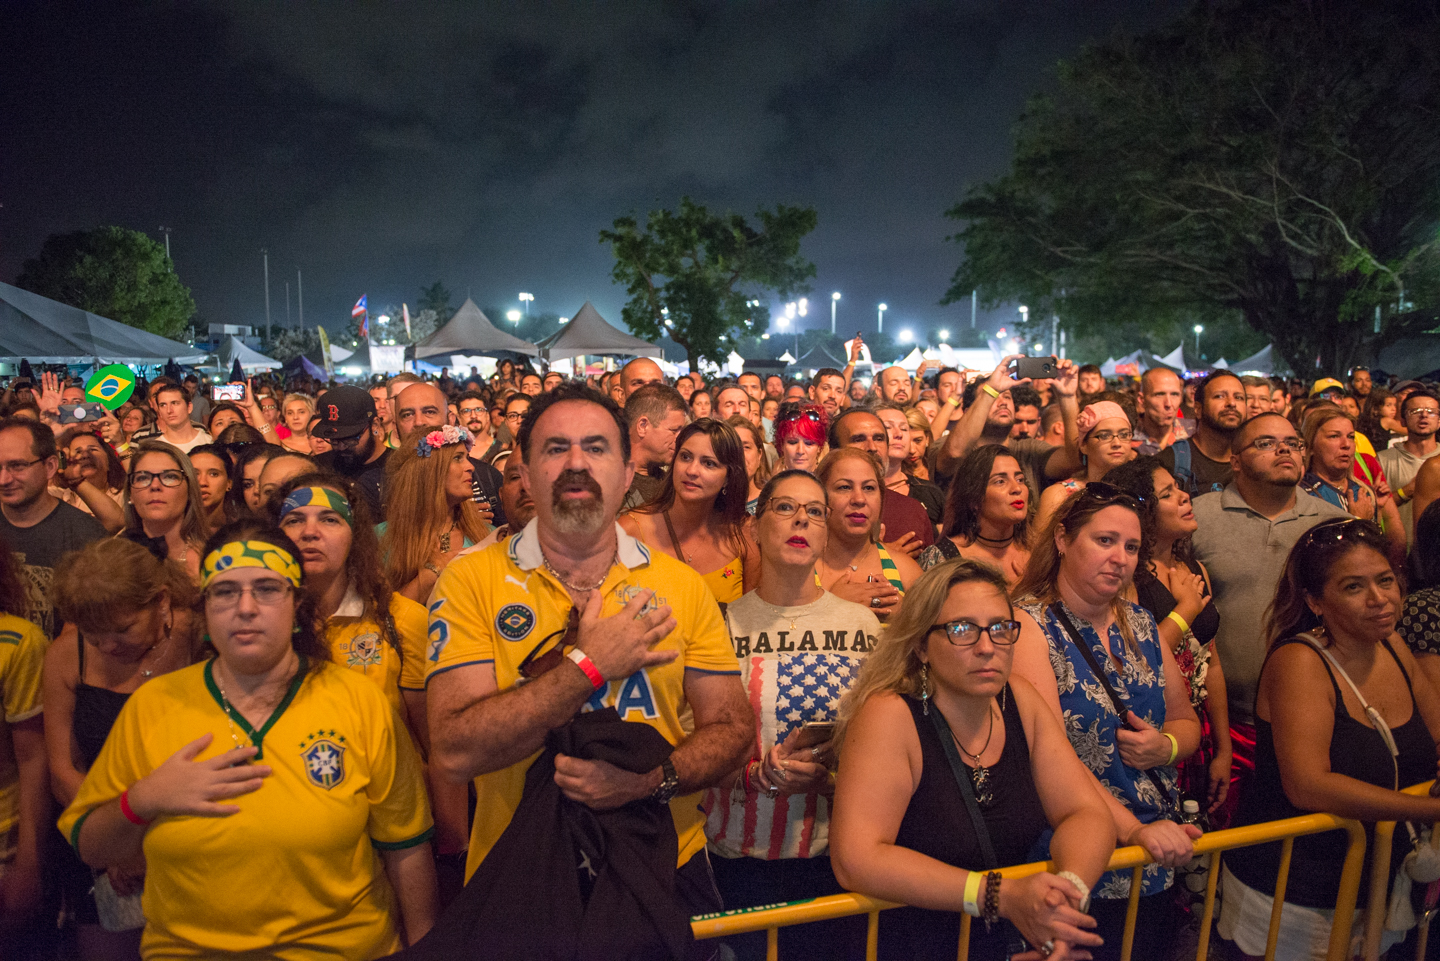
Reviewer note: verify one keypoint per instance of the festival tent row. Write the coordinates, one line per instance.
(45, 331)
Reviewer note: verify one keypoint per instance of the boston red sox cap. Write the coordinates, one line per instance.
(343, 412)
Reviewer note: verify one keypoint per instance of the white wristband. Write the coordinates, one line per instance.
(1080, 886)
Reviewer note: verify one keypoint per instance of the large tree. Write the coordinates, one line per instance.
(435, 298)
(116, 273)
(1278, 160)
(696, 277)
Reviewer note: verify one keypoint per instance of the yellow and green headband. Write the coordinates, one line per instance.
(237, 554)
(318, 497)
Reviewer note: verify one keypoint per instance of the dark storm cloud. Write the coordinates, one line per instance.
(382, 147)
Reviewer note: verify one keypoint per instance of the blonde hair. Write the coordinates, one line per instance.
(762, 470)
(192, 527)
(893, 666)
(105, 578)
(916, 419)
(417, 510)
(1315, 418)
(305, 399)
(833, 459)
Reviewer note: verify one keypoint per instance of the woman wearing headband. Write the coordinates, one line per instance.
(1105, 435)
(1337, 680)
(262, 784)
(435, 516)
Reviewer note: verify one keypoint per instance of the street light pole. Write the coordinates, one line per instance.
(834, 299)
(300, 294)
(1198, 330)
(266, 254)
(526, 299)
(166, 232)
(880, 325)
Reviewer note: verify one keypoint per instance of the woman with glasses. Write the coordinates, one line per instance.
(130, 617)
(987, 514)
(757, 467)
(1098, 661)
(1175, 589)
(951, 768)
(431, 509)
(855, 565)
(92, 478)
(1105, 435)
(800, 647)
(163, 509)
(297, 412)
(1343, 719)
(1330, 460)
(266, 774)
(698, 517)
(800, 432)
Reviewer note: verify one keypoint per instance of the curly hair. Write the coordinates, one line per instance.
(105, 578)
(967, 495)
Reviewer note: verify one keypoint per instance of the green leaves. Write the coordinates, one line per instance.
(696, 276)
(116, 273)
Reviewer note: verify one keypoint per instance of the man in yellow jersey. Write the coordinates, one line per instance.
(650, 642)
(24, 774)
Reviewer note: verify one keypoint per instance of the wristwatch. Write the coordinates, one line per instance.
(669, 784)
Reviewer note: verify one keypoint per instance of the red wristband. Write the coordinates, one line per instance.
(129, 812)
(597, 680)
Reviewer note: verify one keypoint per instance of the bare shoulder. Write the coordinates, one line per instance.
(909, 570)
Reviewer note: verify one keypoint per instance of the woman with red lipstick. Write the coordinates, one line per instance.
(1105, 435)
(854, 564)
(163, 506)
(699, 515)
(800, 431)
(1097, 659)
(987, 515)
(1175, 589)
(799, 648)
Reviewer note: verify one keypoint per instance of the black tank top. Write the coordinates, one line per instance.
(96, 709)
(936, 824)
(1356, 750)
(1156, 598)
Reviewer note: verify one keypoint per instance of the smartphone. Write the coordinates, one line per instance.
(1036, 368)
(81, 413)
(231, 392)
(815, 732)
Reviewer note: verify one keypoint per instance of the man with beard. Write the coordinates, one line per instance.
(593, 619)
(827, 387)
(346, 418)
(1420, 413)
(1025, 423)
(1245, 534)
(475, 417)
(1201, 463)
(1161, 394)
(517, 506)
(774, 387)
(895, 386)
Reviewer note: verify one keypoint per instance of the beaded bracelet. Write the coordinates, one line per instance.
(992, 899)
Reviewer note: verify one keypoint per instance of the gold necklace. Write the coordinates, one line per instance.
(230, 711)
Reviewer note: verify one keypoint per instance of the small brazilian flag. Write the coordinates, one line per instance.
(111, 386)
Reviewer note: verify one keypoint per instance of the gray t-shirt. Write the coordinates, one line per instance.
(1245, 551)
(1400, 467)
(39, 548)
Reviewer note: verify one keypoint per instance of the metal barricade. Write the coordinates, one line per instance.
(770, 920)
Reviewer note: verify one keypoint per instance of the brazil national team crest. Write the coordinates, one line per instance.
(515, 622)
(111, 386)
(324, 755)
(364, 650)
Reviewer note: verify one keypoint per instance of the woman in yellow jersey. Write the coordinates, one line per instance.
(369, 628)
(855, 566)
(699, 515)
(280, 809)
(129, 617)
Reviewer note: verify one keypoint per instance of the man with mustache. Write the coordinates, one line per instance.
(1246, 532)
(1202, 463)
(588, 618)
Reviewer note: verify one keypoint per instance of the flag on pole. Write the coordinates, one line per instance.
(325, 352)
(359, 308)
(405, 312)
(361, 311)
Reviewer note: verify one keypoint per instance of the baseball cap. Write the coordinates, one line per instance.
(1327, 383)
(343, 412)
(1408, 385)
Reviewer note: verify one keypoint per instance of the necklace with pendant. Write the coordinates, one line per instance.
(148, 672)
(979, 773)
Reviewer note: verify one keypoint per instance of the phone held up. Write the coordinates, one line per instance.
(231, 392)
(1036, 368)
(81, 413)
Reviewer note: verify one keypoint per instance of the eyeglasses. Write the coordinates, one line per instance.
(515, 415)
(1422, 411)
(142, 479)
(1106, 436)
(269, 407)
(267, 593)
(963, 633)
(536, 664)
(18, 466)
(1266, 444)
(469, 411)
(785, 509)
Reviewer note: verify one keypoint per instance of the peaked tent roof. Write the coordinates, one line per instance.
(818, 357)
(470, 332)
(234, 349)
(589, 333)
(1180, 360)
(45, 331)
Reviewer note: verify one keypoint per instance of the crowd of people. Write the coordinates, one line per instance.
(552, 665)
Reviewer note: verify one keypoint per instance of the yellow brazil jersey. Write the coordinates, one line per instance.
(357, 643)
(297, 872)
(496, 605)
(22, 656)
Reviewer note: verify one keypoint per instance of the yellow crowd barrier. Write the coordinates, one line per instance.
(770, 920)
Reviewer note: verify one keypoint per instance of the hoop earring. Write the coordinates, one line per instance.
(925, 689)
(295, 630)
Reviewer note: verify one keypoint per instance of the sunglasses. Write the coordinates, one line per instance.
(789, 415)
(1344, 529)
(536, 663)
(1107, 494)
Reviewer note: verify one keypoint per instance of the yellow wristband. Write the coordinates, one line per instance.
(971, 904)
(953, 401)
(1174, 749)
(1180, 621)
(990, 390)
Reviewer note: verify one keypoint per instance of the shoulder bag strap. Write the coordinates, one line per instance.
(1120, 707)
(967, 790)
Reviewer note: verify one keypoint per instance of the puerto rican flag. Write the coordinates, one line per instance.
(359, 309)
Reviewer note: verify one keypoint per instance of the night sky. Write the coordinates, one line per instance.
(381, 147)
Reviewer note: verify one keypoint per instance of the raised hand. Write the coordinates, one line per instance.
(1000, 379)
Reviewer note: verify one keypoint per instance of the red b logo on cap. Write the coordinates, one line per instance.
(334, 412)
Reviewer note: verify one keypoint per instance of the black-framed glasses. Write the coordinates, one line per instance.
(541, 661)
(1267, 444)
(966, 633)
(784, 508)
(142, 479)
(1106, 436)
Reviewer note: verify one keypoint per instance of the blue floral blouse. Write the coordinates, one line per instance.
(1091, 721)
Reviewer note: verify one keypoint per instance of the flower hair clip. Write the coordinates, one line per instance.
(443, 437)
